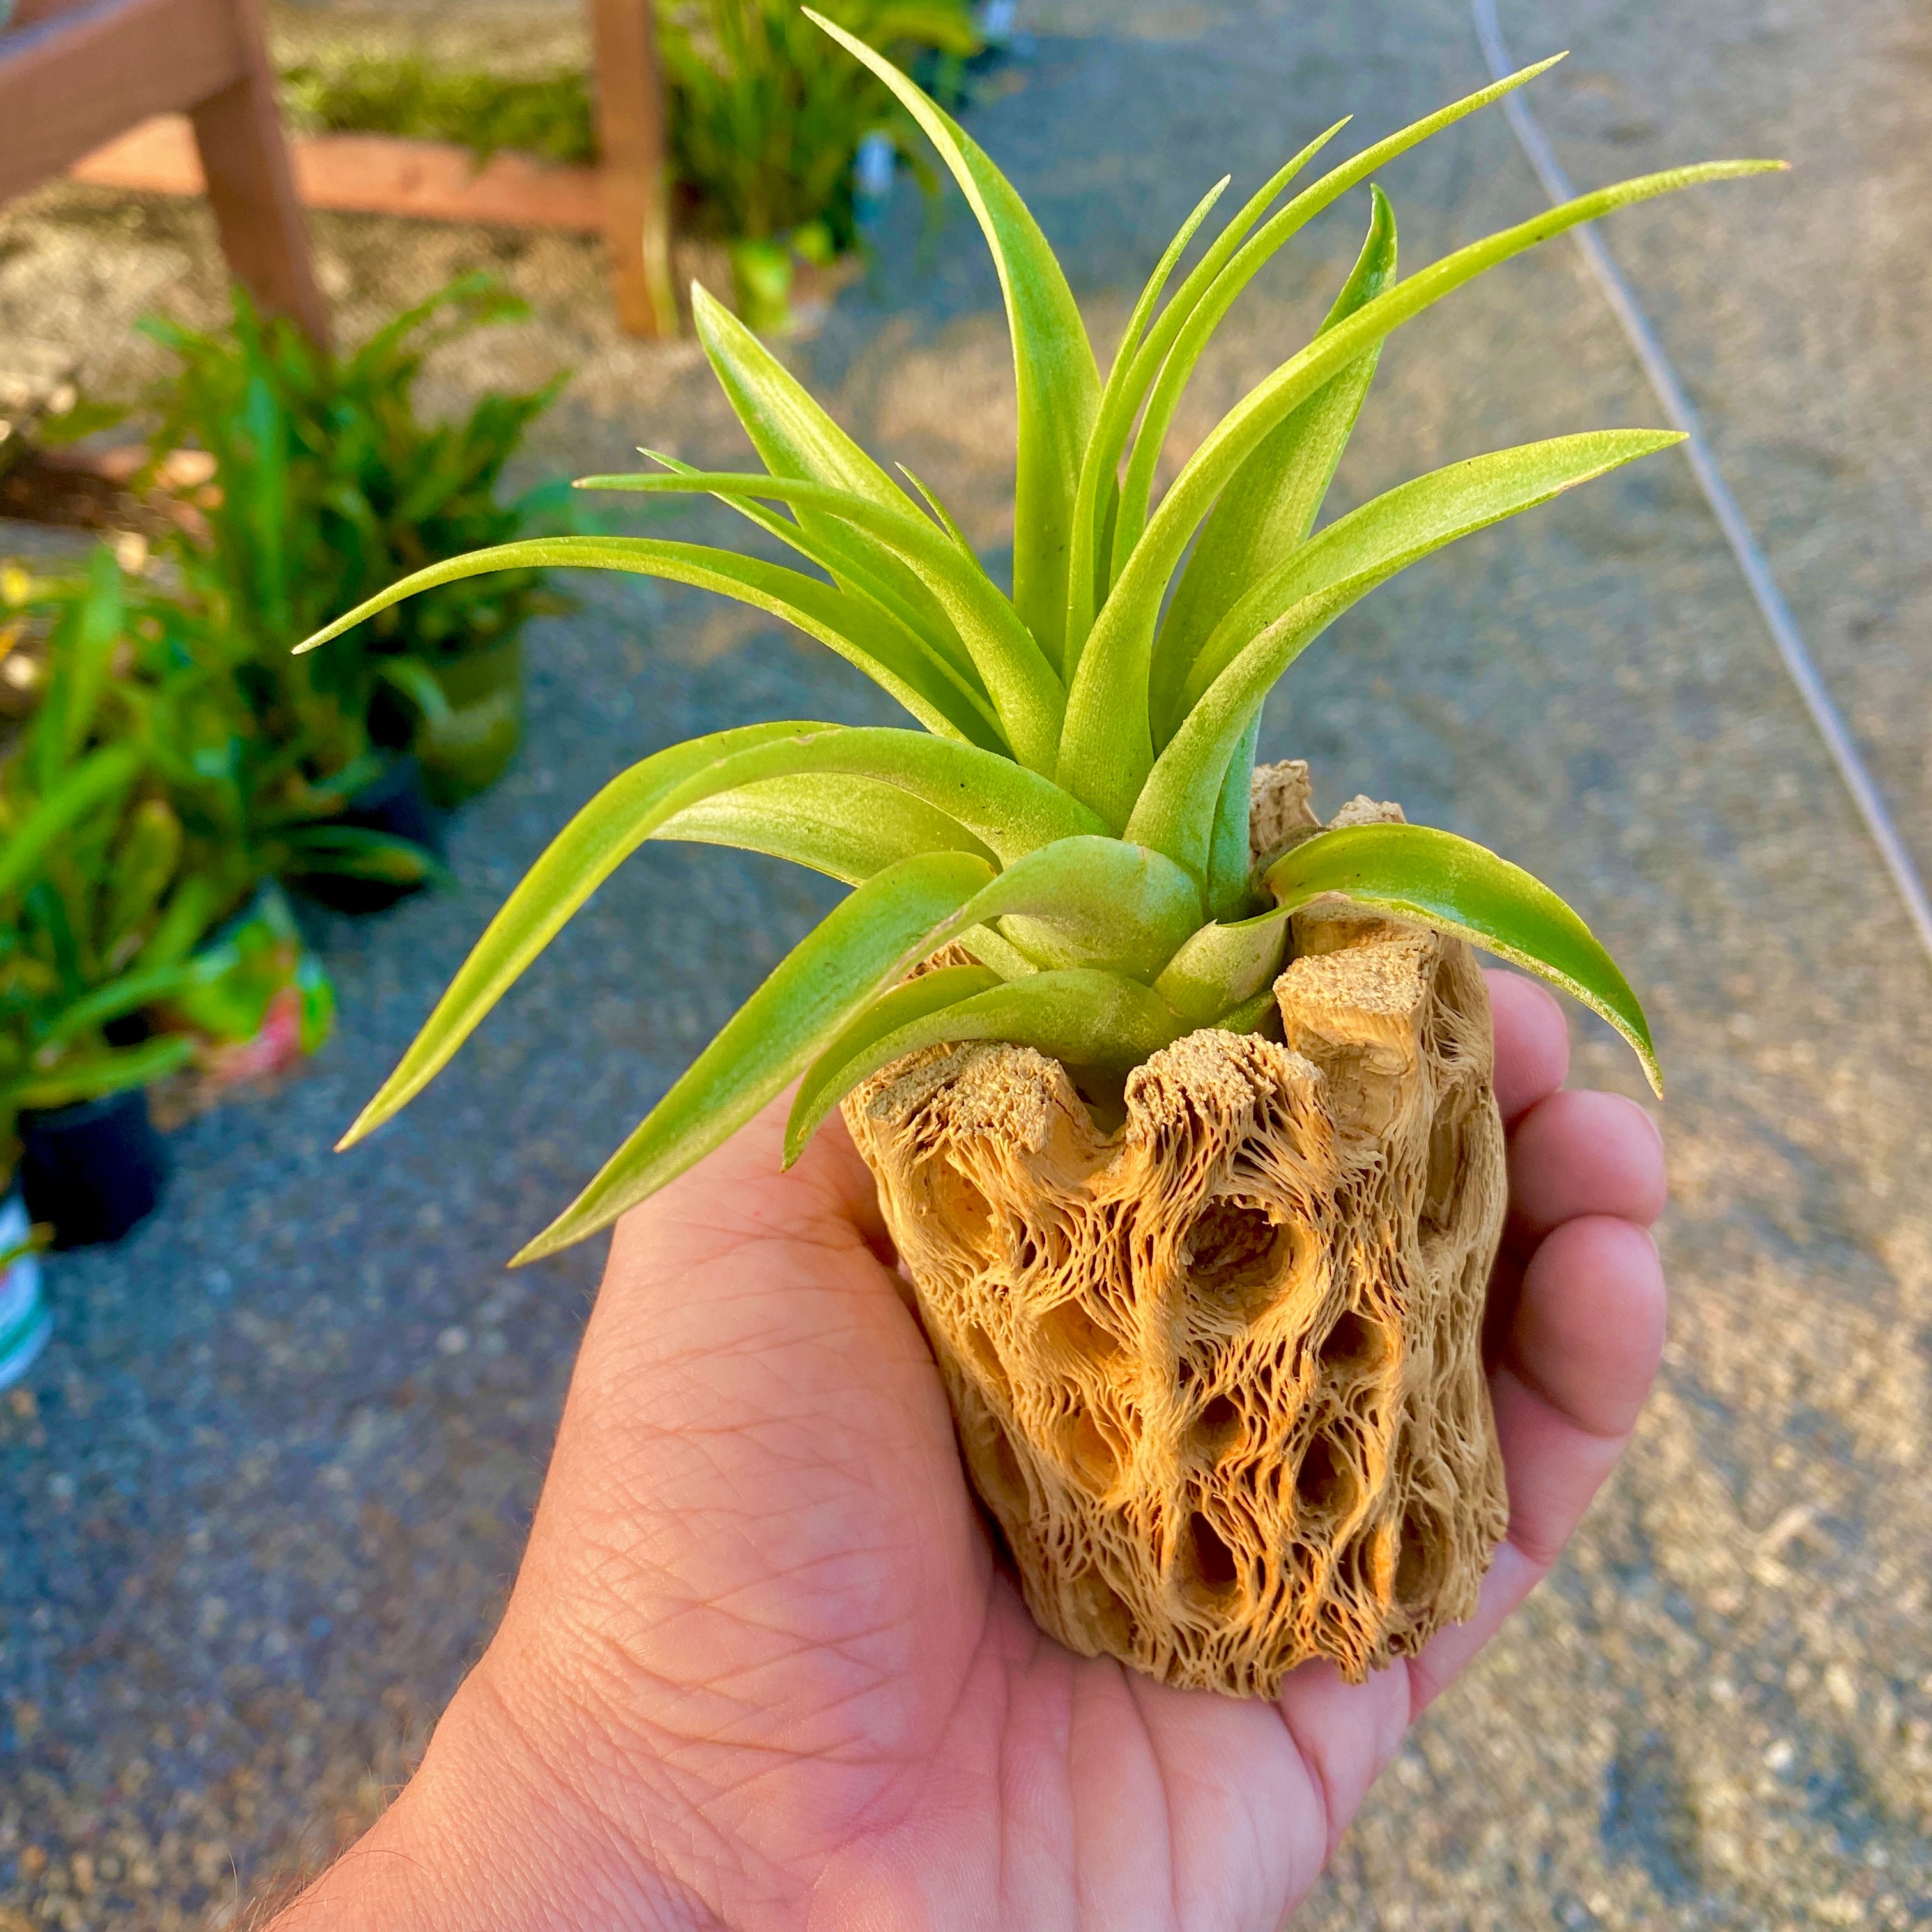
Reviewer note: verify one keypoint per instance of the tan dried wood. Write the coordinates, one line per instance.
(1217, 1373)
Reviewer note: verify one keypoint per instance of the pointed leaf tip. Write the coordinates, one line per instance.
(1434, 878)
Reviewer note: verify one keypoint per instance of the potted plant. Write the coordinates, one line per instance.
(321, 484)
(1179, 1102)
(97, 918)
(112, 874)
(767, 122)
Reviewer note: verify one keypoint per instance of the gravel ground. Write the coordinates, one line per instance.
(258, 1504)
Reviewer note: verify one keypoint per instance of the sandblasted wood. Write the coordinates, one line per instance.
(1217, 1374)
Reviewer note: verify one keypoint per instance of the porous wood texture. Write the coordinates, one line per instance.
(1217, 1373)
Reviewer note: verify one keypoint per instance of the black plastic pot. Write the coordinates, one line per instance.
(93, 1169)
(397, 803)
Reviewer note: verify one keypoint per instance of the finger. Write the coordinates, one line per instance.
(1584, 1154)
(1532, 1042)
(1589, 1325)
(1577, 1364)
(1346, 1733)
(744, 1187)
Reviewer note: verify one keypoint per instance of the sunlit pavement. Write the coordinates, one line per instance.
(260, 1516)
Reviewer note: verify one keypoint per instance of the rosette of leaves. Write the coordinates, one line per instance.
(1072, 816)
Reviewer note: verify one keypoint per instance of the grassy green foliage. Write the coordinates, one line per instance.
(1075, 814)
(128, 834)
(329, 482)
(549, 116)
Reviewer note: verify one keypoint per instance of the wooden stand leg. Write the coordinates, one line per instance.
(252, 189)
(631, 130)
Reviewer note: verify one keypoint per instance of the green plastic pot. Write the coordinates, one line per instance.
(465, 746)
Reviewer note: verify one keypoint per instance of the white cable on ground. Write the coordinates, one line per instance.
(1778, 617)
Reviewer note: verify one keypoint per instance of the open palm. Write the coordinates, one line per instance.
(763, 1666)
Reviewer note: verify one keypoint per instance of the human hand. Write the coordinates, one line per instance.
(760, 1668)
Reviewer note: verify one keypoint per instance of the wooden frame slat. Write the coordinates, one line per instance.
(371, 174)
(73, 78)
(630, 133)
(75, 75)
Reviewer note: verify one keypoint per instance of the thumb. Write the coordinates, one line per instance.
(743, 1192)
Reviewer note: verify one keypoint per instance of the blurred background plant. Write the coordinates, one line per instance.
(776, 141)
(136, 940)
(767, 117)
(355, 92)
(101, 903)
(172, 761)
(319, 482)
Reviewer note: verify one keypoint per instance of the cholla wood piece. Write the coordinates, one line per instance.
(1217, 1374)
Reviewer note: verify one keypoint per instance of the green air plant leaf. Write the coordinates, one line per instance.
(1229, 885)
(1135, 368)
(941, 515)
(1222, 966)
(1407, 523)
(1074, 815)
(795, 437)
(1106, 746)
(928, 687)
(1011, 810)
(1026, 693)
(1271, 502)
(1436, 879)
(848, 828)
(1098, 489)
(1053, 361)
(880, 579)
(1097, 902)
(1287, 610)
(844, 963)
(1202, 321)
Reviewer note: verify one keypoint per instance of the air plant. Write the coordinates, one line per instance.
(1073, 816)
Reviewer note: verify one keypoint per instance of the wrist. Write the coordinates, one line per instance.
(483, 1838)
